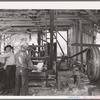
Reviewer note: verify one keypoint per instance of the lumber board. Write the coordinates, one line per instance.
(84, 44)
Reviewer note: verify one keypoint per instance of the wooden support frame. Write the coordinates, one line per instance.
(67, 44)
(44, 40)
(39, 40)
(0, 41)
(77, 35)
(81, 42)
(51, 37)
(89, 20)
(86, 45)
(93, 16)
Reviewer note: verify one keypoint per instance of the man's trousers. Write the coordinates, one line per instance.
(10, 76)
(21, 87)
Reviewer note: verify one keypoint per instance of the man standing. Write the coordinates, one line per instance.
(9, 67)
(23, 62)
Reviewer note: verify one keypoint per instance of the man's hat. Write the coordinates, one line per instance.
(24, 44)
(8, 46)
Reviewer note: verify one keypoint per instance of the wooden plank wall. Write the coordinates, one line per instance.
(74, 37)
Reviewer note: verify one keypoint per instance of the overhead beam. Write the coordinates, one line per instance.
(19, 25)
(85, 45)
(89, 20)
(15, 19)
(92, 15)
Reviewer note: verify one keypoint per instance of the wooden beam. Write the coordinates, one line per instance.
(19, 25)
(86, 45)
(36, 45)
(39, 58)
(77, 37)
(51, 37)
(89, 20)
(93, 29)
(87, 32)
(15, 19)
(39, 40)
(81, 42)
(92, 15)
(0, 41)
(30, 24)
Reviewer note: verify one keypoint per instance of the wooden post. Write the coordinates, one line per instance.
(81, 42)
(42, 41)
(77, 36)
(30, 36)
(68, 51)
(4, 40)
(0, 41)
(46, 25)
(39, 34)
(51, 37)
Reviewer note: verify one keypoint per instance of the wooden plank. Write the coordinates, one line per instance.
(81, 42)
(15, 19)
(92, 15)
(39, 58)
(34, 74)
(44, 41)
(77, 37)
(94, 29)
(87, 32)
(0, 41)
(19, 25)
(51, 37)
(67, 44)
(39, 41)
(33, 25)
(89, 20)
(86, 45)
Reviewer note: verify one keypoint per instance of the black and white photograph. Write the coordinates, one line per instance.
(49, 52)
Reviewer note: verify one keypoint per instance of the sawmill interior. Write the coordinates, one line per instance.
(63, 45)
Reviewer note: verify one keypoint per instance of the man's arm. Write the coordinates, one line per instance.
(30, 64)
(6, 55)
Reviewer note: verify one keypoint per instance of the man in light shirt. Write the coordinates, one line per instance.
(23, 62)
(9, 67)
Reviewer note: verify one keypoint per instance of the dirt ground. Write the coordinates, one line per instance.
(67, 87)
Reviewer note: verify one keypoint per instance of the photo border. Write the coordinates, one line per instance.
(69, 97)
